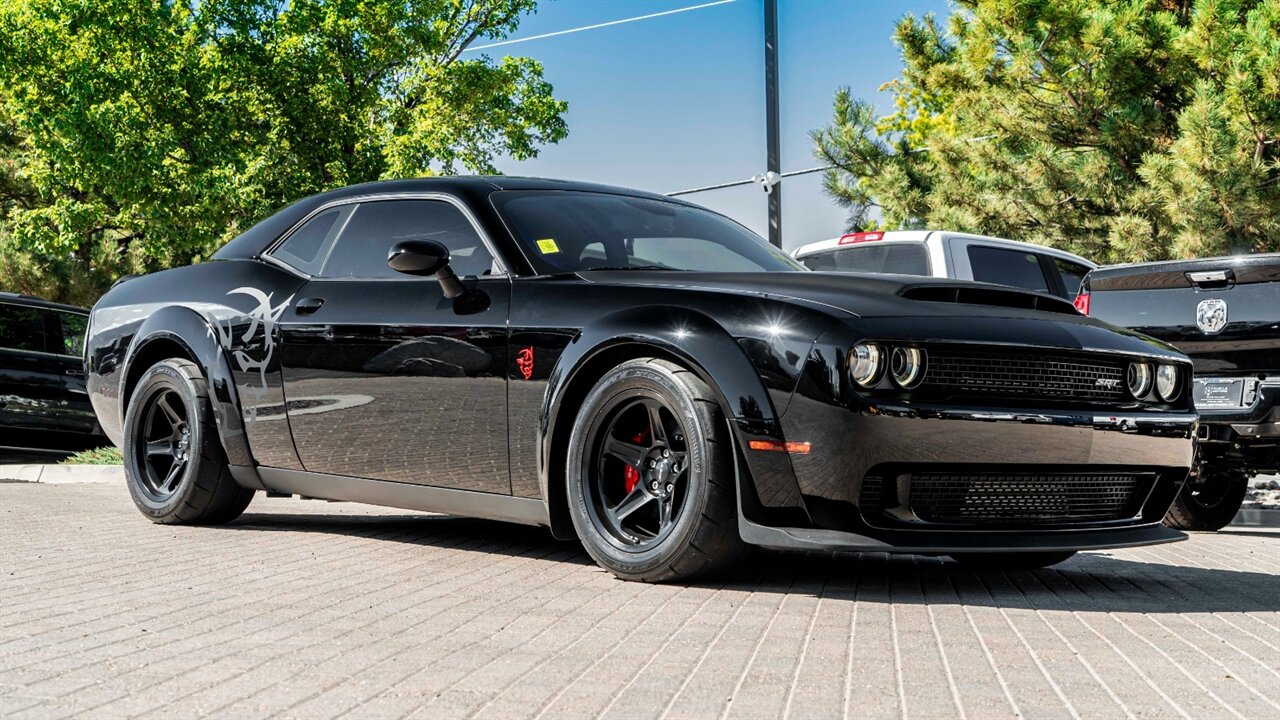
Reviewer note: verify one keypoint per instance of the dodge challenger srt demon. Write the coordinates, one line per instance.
(634, 371)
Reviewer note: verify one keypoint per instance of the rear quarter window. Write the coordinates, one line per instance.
(306, 248)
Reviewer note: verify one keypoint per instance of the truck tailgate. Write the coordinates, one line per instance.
(1184, 303)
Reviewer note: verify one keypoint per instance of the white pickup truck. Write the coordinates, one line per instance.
(938, 253)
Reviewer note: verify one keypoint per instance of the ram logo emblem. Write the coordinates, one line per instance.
(1211, 315)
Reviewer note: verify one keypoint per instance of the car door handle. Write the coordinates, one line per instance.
(73, 372)
(306, 306)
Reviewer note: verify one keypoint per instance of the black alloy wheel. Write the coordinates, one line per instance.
(173, 458)
(164, 444)
(650, 474)
(637, 484)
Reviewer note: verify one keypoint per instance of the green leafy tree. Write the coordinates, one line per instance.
(139, 134)
(1127, 130)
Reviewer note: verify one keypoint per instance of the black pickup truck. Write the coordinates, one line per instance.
(1225, 314)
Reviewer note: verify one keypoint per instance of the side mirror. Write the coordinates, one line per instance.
(426, 257)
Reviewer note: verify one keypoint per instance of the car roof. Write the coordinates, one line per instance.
(33, 301)
(250, 242)
(448, 183)
(920, 236)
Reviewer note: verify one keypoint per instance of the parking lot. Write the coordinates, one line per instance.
(312, 609)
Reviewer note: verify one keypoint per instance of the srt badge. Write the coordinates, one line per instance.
(1211, 315)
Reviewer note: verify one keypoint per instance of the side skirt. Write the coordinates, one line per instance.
(526, 511)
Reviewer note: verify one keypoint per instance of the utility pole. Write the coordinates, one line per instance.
(773, 160)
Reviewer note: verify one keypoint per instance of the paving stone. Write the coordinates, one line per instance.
(308, 609)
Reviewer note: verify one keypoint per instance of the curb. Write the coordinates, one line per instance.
(63, 474)
(1257, 517)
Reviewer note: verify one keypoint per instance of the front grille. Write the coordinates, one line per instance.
(1028, 498)
(1019, 375)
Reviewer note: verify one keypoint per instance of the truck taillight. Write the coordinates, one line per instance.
(850, 238)
(1082, 303)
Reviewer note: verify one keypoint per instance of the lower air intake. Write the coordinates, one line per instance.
(1028, 499)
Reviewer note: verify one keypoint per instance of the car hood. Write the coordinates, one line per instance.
(863, 295)
(941, 309)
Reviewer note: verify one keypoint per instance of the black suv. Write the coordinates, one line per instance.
(43, 403)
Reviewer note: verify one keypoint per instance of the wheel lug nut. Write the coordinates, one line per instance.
(670, 488)
(666, 453)
(653, 464)
(654, 485)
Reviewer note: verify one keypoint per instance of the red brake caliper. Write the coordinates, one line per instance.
(631, 475)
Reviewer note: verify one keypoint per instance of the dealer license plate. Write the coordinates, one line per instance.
(1216, 393)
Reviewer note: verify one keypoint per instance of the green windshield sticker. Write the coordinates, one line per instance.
(548, 246)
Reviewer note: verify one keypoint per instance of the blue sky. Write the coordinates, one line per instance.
(678, 101)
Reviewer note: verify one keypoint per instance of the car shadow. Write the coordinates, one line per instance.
(443, 531)
(1089, 582)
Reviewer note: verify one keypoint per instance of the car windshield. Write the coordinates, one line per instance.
(571, 231)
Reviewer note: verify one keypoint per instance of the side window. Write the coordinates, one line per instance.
(21, 328)
(1072, 275)
(362, 248)
(73, 331)
(1007, 267)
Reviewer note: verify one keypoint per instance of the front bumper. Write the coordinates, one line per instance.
(890, 443)
(945, 543)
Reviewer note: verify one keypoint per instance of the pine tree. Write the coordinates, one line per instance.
(1125, 131)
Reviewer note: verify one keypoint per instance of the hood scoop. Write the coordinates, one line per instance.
(991, 296)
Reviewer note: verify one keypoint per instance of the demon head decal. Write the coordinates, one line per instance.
(524, 362)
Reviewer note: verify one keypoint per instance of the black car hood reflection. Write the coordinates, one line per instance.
(862, 295)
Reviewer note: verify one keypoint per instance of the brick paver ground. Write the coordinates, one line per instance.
(313, 610)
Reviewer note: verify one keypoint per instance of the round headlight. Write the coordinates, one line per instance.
(1139, 379)
(865, 364)
(1167, 382)
(906, 367)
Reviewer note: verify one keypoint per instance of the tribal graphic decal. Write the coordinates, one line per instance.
(264, 315)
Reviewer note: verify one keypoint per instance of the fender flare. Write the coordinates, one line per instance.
(192, 331)
(699, 342)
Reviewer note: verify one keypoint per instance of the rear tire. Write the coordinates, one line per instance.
(1012, 561)
(1209, 505)
(684, 526)
(174, 464)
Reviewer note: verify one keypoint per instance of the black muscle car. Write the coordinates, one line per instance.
(635, 371)
(1224, 313)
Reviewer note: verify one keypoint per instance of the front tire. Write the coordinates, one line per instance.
(651, 476)
(1210, 504)
(175, 467)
